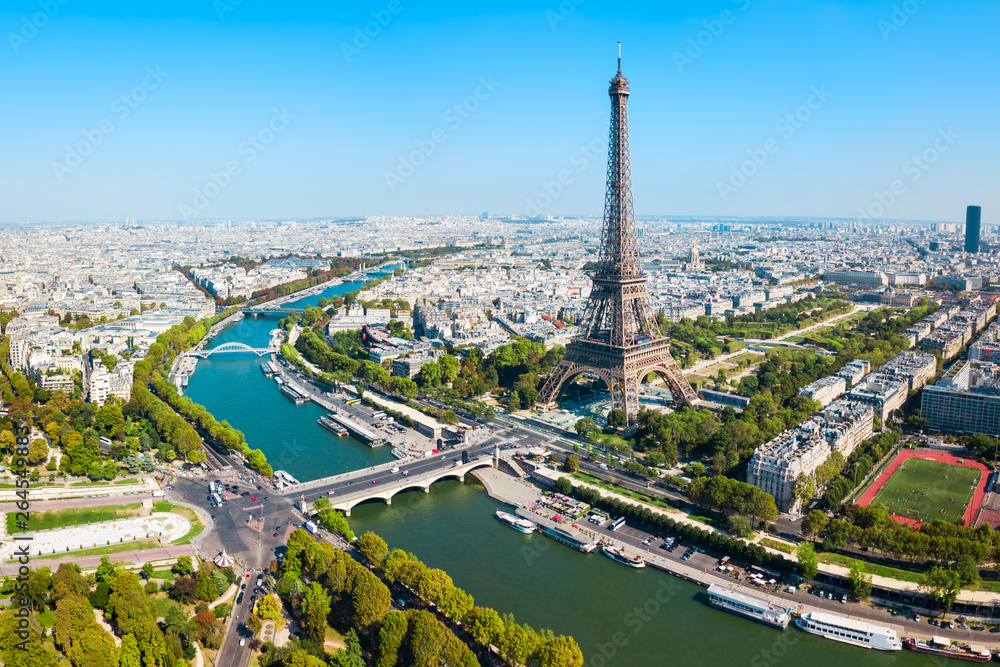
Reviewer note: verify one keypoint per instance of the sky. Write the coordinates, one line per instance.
(251, 109)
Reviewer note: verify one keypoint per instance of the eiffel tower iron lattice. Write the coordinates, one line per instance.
(620, 341)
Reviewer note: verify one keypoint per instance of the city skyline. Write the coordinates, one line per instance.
(231, 110)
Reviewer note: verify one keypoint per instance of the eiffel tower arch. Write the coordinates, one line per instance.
(620, 341)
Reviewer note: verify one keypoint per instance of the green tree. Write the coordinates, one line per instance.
(183, 566)
(94, 648)
(968, 573)
(814, 523)
(572, 463)
(485, 625)
(373, 548)
(391, 634)
(861, 582)
(561, 651)
(617, 419)
(129, 656)
(370, 599)
(804, 489)
(449, 417)
(808, 562)
(269, 607)
(316, 606)
(942, 584)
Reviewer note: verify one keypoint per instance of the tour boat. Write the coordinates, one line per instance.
(746, 604)
(620, 556)
(943, 647)
(330, 425)
(850, 631)
(517, 523)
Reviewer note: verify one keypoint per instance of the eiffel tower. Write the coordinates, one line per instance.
(620, 341)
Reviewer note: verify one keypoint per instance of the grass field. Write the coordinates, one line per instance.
(71, 517)
(928, 490)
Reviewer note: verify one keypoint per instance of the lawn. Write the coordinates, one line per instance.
(196, 525)
(928, 490)
(102, 551)
(70, 517)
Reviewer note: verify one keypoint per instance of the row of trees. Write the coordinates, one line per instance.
(872, 529)
(859, 464)
(732, 497)
(318, 576)
(663, 525)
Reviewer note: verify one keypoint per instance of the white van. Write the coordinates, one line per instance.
(394, 470)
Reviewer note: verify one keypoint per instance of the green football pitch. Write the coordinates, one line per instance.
(928, 490)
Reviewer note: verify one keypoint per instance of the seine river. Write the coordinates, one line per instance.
(618, 615)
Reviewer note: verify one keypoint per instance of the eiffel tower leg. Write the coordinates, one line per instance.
(548, 397)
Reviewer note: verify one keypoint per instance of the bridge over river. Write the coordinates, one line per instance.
(231, 348)
(381, 483)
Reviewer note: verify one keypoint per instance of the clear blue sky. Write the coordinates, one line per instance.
(229, 65)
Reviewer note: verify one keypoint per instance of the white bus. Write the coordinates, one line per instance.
(216, 500)
(378, 415)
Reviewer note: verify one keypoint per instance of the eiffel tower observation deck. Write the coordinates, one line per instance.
(620, 341)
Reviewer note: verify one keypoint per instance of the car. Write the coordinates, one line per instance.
(253, 598)
(243, 586)
(995, 630)
(843, 599)
(646, 542)
(243, 641)
(277, 528)
(254, 498)
(266, 497)
(213, 516)
(405, 473)
(400, 602)
(829, 596)
(331, 492)
(442, 458)
(239, 600)
(916, 617)
(374, 481)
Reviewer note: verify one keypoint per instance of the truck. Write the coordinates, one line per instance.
(312, 527)
(159, 494)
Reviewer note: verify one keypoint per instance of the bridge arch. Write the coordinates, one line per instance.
(679, 395)
(562, 376)
(386, 494)
(231, 348)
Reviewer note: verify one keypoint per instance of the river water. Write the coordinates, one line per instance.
(619, 616)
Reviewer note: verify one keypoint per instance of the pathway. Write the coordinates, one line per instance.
(136, 558)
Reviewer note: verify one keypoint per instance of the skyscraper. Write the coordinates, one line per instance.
(972, 215)
(620, 341)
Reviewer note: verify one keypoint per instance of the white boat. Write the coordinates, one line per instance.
(746, 604)
(516, 522)
(622, 557)
(850, 631)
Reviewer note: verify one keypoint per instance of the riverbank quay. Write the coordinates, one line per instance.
(982, 606)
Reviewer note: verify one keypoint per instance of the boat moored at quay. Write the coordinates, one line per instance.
(942, 646)
(330, 425)
(850, 631)
(751, 606)
(619, 555)
(516, 522)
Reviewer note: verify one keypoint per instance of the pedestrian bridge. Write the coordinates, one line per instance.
(231, 348)
(385, 492)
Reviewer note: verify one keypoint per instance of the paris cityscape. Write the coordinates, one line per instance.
(524, 334)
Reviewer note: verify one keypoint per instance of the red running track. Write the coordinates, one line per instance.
(942, 457)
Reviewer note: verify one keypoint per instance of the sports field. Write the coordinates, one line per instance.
(925, 490)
